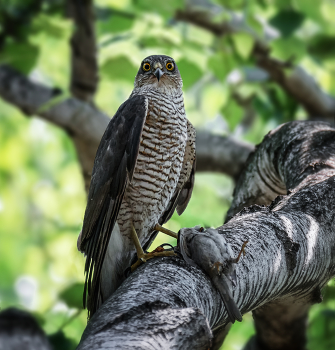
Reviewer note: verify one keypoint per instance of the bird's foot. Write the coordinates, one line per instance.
(159, 251)
(217, 266)
(166, 231)
(242, 251)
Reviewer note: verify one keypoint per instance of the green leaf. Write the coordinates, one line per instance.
(283, 4)
(166, 9)
(119, 68)
(287, 21)
(232, 113)
(221, 64)
(73, 295)
(22, 56)
(322, 46)
(243, 43)
(310, 8)
(288, 48)
(52, 26)
(115, 23)
(190, 72)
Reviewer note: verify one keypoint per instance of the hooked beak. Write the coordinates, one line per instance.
(158, 74)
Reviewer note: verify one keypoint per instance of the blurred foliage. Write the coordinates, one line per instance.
(42, 199)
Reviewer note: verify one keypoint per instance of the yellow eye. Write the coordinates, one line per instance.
(146, 66)
(169, 66)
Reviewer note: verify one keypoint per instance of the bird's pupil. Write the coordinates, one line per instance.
(169, 65)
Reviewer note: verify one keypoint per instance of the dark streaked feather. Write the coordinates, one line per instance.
(186, 192)
(113, 169)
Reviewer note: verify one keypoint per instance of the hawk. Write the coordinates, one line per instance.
(143, 170)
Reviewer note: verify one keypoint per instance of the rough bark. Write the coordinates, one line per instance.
(84, 66)
(277, 167)
(260, 183)
(289, 257)
(292, 78)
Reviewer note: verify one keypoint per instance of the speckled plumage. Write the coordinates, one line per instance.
(148, 181)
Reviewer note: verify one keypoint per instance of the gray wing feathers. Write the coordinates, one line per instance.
(223, 288)
(113, 170)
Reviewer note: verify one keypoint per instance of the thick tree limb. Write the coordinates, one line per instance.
(260, 184)
(221, 154)
(293, 79)
(290, 256)
(84, 65)
(277, 167)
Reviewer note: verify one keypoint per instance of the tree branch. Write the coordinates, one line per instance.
(223, 154)
(293, 79)
(84, 66)
(288, 259)
(82, 121)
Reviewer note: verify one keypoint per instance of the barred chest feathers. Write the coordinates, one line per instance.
(158, 165)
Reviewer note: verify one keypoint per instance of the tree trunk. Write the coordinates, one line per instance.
(167, 304)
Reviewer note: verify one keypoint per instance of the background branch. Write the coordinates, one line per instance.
(84, 66)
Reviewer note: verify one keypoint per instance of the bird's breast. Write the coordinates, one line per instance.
(160, 159)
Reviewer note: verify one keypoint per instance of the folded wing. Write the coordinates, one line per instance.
(113, 169)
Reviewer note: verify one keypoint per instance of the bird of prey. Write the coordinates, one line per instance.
(209, 250)
(143, 170)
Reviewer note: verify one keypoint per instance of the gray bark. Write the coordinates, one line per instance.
(260, 184)
(223, 154)
(289, 257)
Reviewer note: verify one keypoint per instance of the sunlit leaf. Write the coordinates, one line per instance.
(119, 68)
(288, 49)
(221, 64)
(166, 8)
(310, 8)
(243, 43)
(22, 56)
(233, 113)
(116, 23)
(190, 72)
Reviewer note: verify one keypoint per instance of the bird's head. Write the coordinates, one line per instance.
(159, 72)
